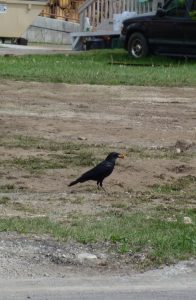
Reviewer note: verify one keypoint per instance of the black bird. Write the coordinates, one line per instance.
(101, 171)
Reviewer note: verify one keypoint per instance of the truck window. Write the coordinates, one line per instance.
(193, 7)
(176, 8)
(192, 12)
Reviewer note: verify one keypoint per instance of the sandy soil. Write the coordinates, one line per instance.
(116, 117)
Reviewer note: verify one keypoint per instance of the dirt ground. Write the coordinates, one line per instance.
(118, 118)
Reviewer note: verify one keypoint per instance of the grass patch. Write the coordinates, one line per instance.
(34, 225)
(36, 163)
(161, 241)
(82, 158)
(61, 155)
(4, 200)
(178, 185)
(162, 153)
(23, 207)
(6, 188)
(120, 205)
(98, 67)
(29, 142)
(78, 200)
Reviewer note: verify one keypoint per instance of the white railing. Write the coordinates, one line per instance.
(99, 11)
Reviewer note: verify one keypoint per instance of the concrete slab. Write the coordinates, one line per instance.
(47, 30)
(10, 49)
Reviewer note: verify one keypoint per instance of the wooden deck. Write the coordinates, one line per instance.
(100, 14)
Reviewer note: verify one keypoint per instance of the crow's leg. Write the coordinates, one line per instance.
(101, 185)
(98, 184)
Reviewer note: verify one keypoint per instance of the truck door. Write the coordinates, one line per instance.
(168, 30)
(190, 28)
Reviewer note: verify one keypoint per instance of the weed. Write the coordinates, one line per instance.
(123, 248)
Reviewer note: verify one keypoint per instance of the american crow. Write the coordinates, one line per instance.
(101, 171)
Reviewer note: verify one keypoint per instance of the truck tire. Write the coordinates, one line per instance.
(137, 45)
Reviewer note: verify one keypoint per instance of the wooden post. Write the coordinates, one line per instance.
(93, 17)
(102, 10)
(82, 16)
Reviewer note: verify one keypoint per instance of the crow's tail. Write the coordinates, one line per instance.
(73, 182)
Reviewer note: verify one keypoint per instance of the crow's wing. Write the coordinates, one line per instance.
(97, 173)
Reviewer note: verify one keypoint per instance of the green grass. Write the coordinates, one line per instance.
(178, 185)
(82, 158)
(29, 142)
(161, 241)
(69, 154)
(34, 225)
(4, 200)
(162, 153)
(97, 67)
(62, 155)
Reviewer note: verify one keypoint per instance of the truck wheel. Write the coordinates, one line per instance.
(137, 45)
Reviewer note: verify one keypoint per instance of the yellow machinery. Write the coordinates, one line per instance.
(16, 16)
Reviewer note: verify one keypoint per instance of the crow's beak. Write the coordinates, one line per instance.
(121, 155)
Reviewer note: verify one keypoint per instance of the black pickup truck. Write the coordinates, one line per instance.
(171, 31)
